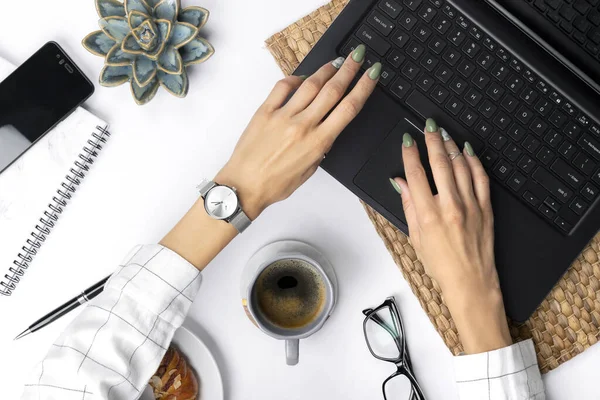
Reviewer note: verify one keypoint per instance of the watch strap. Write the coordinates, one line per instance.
(205, 186)
(240, 221)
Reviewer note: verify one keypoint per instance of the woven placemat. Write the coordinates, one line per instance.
(568, 320)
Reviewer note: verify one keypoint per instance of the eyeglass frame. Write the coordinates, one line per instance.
(402, 362)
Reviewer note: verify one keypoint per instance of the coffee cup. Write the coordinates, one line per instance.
(289, 290)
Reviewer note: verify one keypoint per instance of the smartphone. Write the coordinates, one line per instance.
(39, 94)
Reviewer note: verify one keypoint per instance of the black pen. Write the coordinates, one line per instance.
(69, 306)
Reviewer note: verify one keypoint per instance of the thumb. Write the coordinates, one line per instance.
(401, 187)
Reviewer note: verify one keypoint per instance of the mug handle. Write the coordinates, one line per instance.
(292, 351)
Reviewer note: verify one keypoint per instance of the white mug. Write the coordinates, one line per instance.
(266, 256)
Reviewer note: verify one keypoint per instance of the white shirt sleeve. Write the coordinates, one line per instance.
(113, 347)
(510, 373)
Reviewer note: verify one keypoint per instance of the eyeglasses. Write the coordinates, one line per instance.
(385, 337)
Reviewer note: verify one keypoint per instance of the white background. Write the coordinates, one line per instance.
(144, 181)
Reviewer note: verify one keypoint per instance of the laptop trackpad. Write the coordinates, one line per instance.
(386, 162)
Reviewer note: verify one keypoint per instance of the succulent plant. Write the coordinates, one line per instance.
(149, 43)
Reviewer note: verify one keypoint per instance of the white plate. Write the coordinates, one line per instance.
(203, 363)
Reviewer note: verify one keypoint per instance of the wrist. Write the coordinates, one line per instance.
(249, 199)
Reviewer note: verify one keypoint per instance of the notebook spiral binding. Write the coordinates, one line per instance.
(63, 194)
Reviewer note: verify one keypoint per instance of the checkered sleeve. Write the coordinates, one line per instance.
(510, 373)
(117, 342)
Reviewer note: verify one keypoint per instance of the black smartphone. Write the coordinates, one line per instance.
(39, 94)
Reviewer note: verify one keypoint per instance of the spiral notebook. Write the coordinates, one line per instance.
(36, 188)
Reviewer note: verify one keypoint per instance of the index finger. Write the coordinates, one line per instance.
(420, 191)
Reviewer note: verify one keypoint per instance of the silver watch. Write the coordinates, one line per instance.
(221, 202)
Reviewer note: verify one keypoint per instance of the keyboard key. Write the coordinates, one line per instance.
(578, 206)
(546, 211)
(480, 80)
(590, 145)
(390, 7)
(425, 82)
(373, 40)
(529, 95)
(517, 133)
(457, 36)
(531, 144)
(594, 18)
(516, 65)
(567, 150)
(542, 87)
(539, 127)
(443, 74)
(414, 50)
(437, 3)
(495, 91)
(451, 56)
(476, 33)
(566, 26)
(595, 129)
(437, 45)
(498, 140)
(442, 24)
(516, 181)
(488, 158)
(487, 109)
(502, 120)
(530, 76)
(462, 22)
(485, 60)
(429, 62)
(594, 36)
(407, 21)
(386, 75)
(449, 11)
(484, 129)
(556, 97)
(378, 21)
(502, 170)
(440, 94)
(526, 163)
(524, 115)
(562, 224)
(567, 173)
(509, 103)
(584, 163)
(458, 85)
(473, 97)
(503, 54)
(422, 33)
(589, 192)
(515, 83)
(569, 108)
(556, 187)
(531, 199)
(490, 44)
(582, 6)
(567, 12)
(468, 117)
(471, 49)
(512, 152)
(400, 38)
(396, 58)
(370, 59)
(465, 68)
(553, 138)
(543, 107)
(412, 4)
(500, 72)
(427, 12)
(558, 119)
(554, 3)
(550, 202)
(454, 106)
(400, 88)
(545, 155)
(583, 119)
(410, 70)
(350, 46)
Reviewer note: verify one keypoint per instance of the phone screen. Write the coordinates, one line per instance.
(35, 97)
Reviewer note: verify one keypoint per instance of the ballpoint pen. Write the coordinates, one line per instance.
(69, 306)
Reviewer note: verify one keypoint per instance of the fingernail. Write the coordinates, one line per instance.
(445, 135)
(469, 149)
(396, 186)
(338, 62)
(431, 125)
(303, 77)
(407, 140)
(359, 53)
(375, 71)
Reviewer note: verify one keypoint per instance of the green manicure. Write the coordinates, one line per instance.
(375, 71)
(469, 149)
(407, 140)
(431, 126)
(396, 186)
(359, 53)
(303, 77)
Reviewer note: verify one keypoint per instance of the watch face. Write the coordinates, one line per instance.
(221, 202)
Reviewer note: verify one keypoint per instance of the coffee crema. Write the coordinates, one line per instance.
(290, 293)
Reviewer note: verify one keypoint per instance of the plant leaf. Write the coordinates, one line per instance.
(136, 18)
(110, 8)
(116, 57)
(115, 28)
(183, 33)
(170, 61)
(98, 43)
(196, 16)
(143, 95)
(177, 85)
(144, 70)
(137, 5)
(196, 51)
(114, 76)
(130, 45)
(167, 9)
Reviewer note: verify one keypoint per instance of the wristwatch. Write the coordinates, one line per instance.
(221, 202)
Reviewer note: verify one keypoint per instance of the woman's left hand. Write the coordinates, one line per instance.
(284, 144)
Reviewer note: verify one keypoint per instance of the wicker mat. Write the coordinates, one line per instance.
(568, 320)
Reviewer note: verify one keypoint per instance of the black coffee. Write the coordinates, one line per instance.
(290, 293)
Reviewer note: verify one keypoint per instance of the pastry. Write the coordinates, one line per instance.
(174, 379)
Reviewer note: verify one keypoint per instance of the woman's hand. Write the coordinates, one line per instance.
(452, 233)
(284, 144)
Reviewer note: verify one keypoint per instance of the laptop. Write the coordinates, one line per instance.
(519, 80)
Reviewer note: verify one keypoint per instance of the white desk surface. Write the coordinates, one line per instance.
(144, 181)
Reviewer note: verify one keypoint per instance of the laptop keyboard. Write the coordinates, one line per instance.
(529, 137)
(579, 19)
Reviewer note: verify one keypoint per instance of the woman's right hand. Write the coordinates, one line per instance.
(452, 233)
